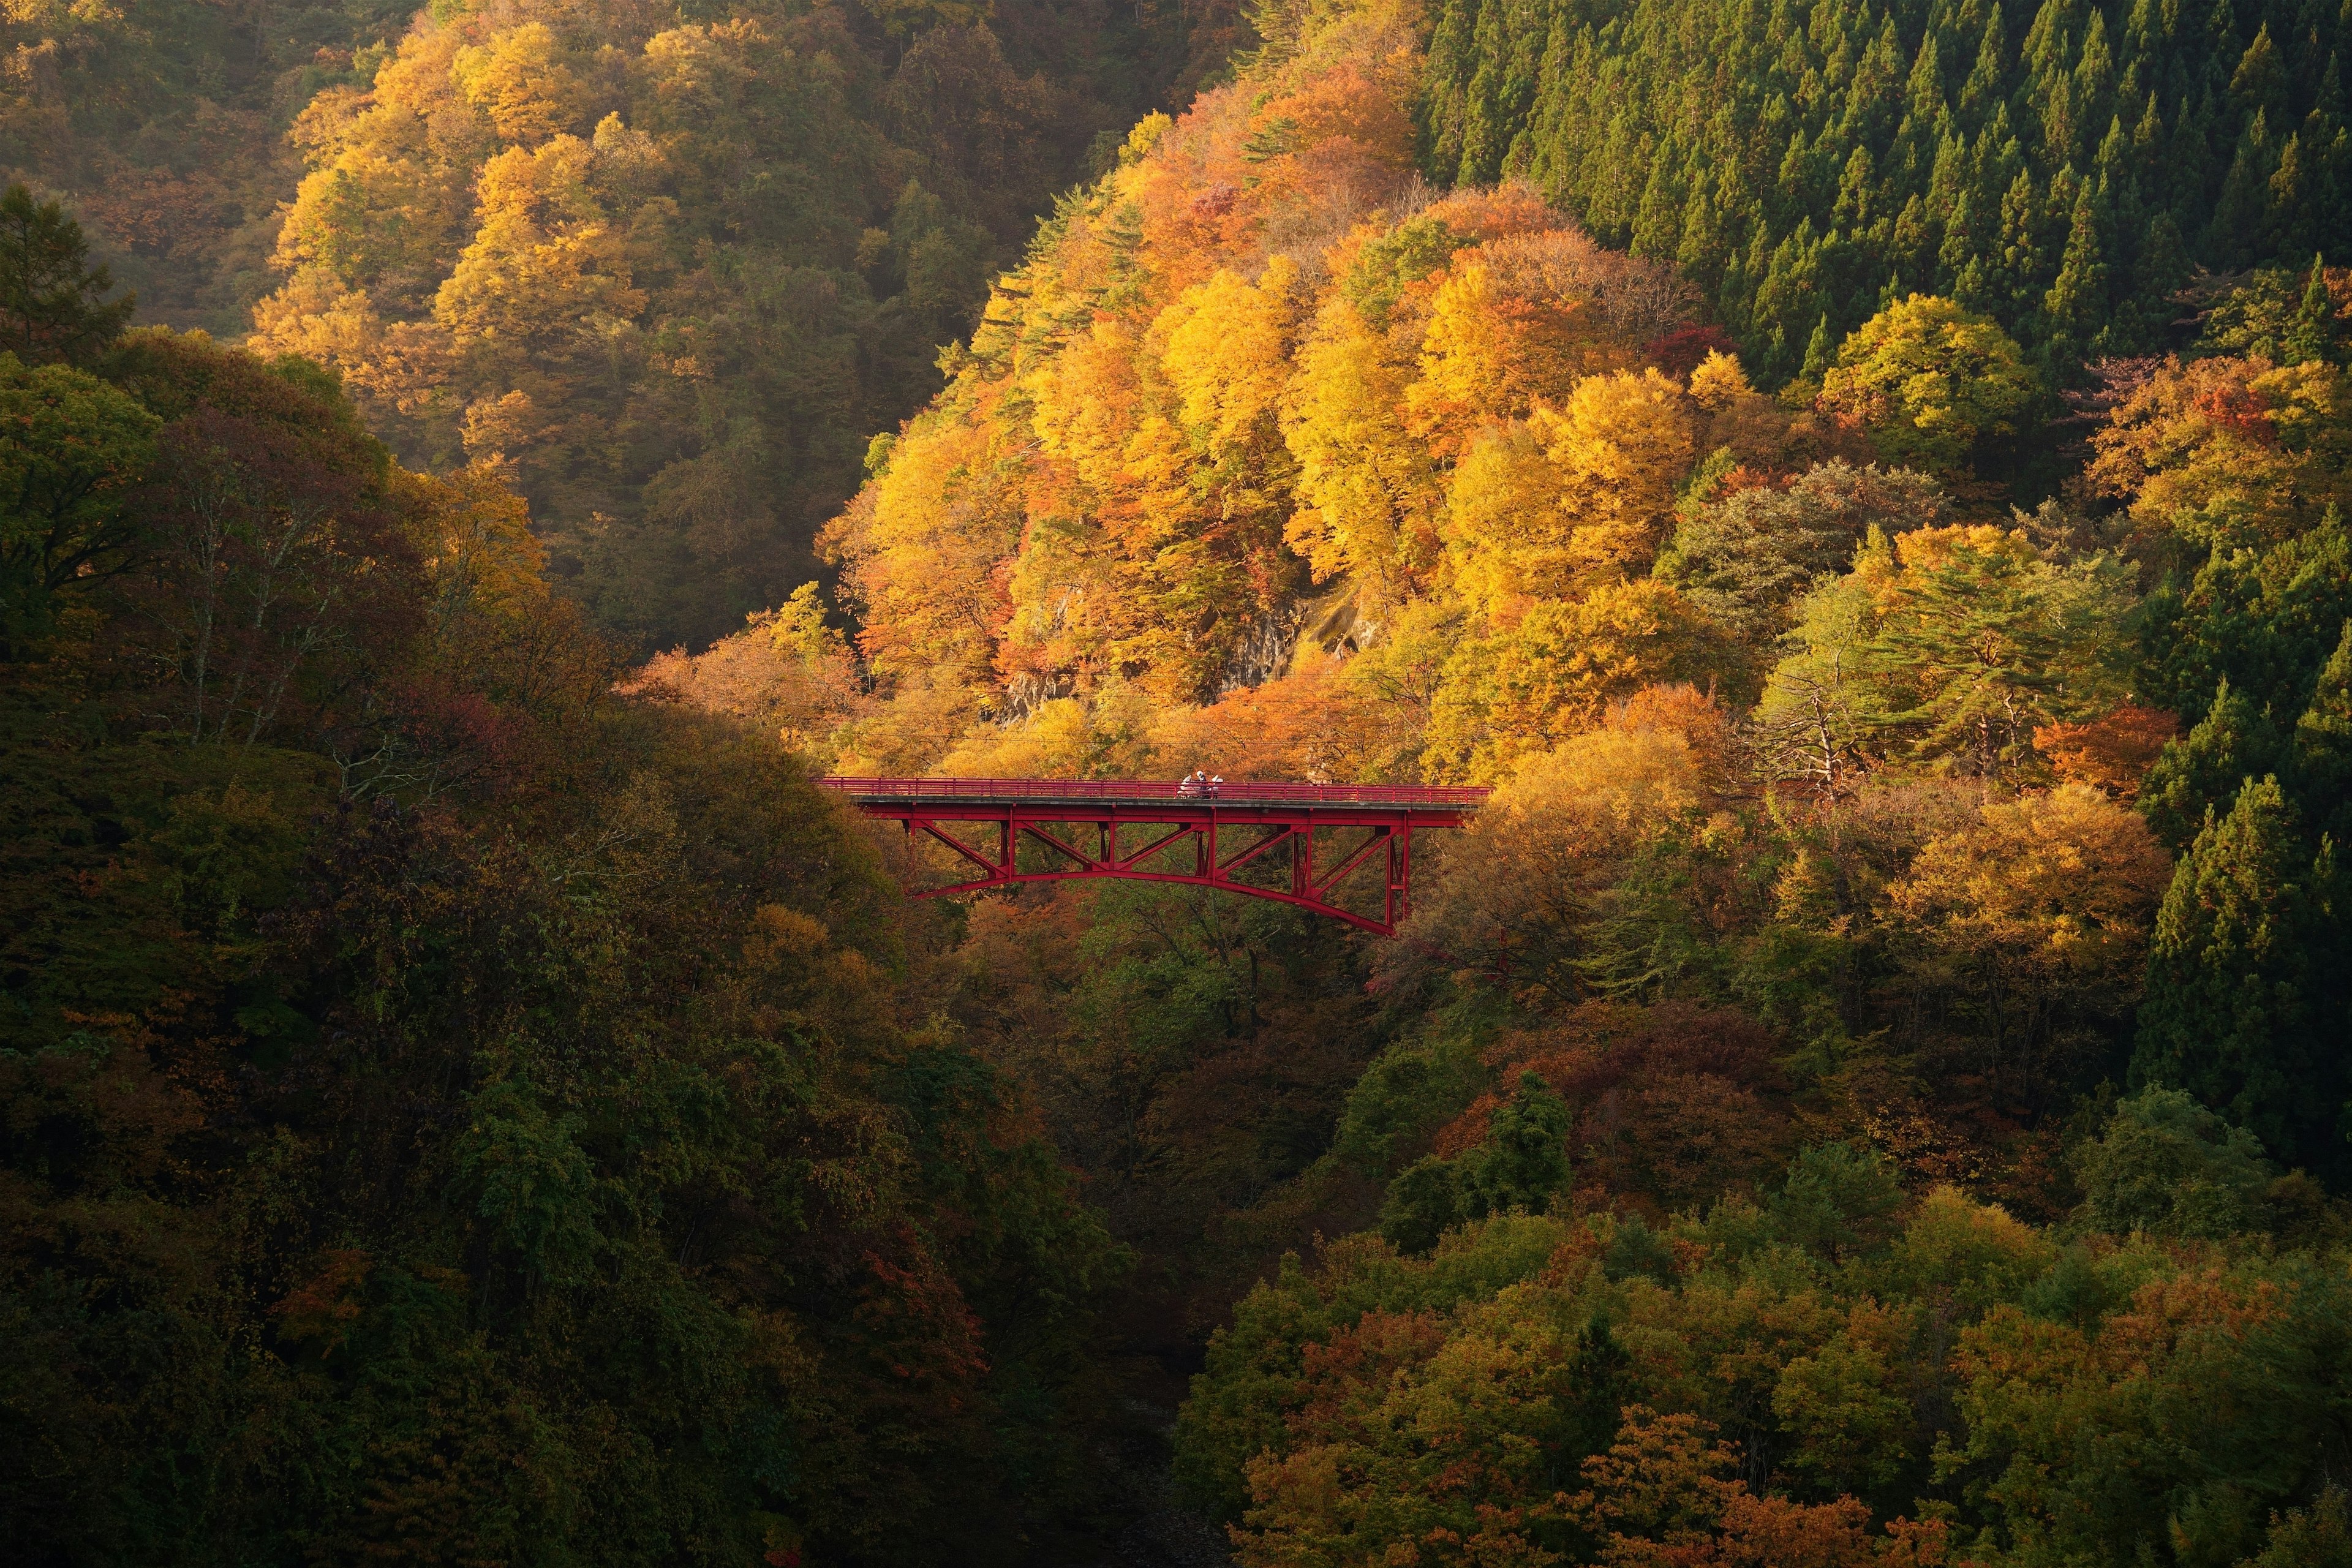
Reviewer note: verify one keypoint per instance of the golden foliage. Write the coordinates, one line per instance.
(1247, 361)
(2062, 884)
(1516, 893)
(2228, 451)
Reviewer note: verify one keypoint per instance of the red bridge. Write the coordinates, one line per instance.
(1255, 838)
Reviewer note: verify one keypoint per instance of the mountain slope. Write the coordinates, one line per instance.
(681, 335)
(2064, 170)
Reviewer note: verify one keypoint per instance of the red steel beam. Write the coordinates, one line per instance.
(1379, 840)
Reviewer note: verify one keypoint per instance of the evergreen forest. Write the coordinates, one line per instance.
(1864, 485)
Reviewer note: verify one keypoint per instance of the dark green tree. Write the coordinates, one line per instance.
(1820, 349)
(2319, 1536)
(70, 448)
(2169, 1166)
(52, 303)
(1522, 1163)
(1422, 1204)
(2321, 751)
(1837, 1197)
(2263, 621)
(2233, 1009)
(1524, 1160)
(2199, 773)
(2075, 309)
(2313, 332)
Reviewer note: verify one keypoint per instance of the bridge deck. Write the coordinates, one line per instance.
(1089, 796)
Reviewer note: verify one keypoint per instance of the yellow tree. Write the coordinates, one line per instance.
(1520, 888)
(1085, 495)
(1368, 491)
(1929, 379)
(925, 549)
(2028, 929)
(1486, 354)
(523, 81)
(1575, 497)
(377, 220)
(1505, 535)
(1623, 442)
(384, 206)
(1226, 351)
(1223, 353)
(1523, 688)
(546, 274)
(473, 535)
(2228, 451)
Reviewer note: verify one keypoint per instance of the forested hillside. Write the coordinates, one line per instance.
(2066, 169)
(675, 264)
(1869, 1088)
(1870, 1078)
(164, 124)
(452, 1114)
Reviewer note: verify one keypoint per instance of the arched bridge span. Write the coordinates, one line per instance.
(1313, 846)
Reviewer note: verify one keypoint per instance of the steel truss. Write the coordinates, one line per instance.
(1208, 842)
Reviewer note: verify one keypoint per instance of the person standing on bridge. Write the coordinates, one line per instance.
(1217, 782)
(1195, 783)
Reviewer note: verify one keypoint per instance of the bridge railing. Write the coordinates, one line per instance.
(1154, 790)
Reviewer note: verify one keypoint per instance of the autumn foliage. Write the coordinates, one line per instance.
(1865, 1089)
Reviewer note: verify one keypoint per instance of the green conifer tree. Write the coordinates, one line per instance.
(52, 303)
(2313, 333)
(2321, 751)
(1821, 351)
(2199, 773)
(2261, 79)
(2231, 1013)
(1524, 1160)
(2076, 308)
(1984, 85)
(2242, 214)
